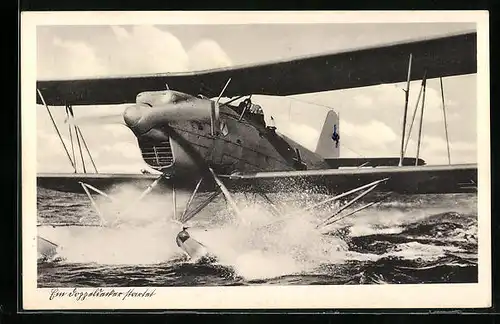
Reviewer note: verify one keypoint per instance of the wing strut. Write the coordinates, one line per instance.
(415, 110)
(421, 122)
(80, 149)
(445, 122)
(79, 135)
(407, 94)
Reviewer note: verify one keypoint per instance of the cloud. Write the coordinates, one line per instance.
(127, 150)
(433, 149)
(387, 100)
(118, 157)
(138, 49)
(359, 107)
(49, 145)
(118, 50)
(374, 132)
(377, 139)
(108, 145)
(370, 117)
(145, 49)
(120, 32)
(70, 58)
(207, 54)
(392, 96)
(368, 139)
(303, 134)
(363, 101)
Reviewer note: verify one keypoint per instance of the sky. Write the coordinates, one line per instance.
(370, 117)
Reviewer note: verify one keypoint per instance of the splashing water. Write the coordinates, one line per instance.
(258, 246)
(124, 245)
(255, 250)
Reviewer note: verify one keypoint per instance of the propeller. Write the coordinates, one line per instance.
(114, 118)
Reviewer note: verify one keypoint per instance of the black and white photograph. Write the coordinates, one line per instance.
(277, 162)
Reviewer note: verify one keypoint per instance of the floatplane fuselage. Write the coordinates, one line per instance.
(182, 135)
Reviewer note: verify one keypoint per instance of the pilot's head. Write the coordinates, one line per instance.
(247, 102)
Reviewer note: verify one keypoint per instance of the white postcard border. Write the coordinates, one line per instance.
(251, 297)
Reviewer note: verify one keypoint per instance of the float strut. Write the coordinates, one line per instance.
(92, 201)
(269, 201)
(144, 193)
(356, 210)
(226, 193)
(191, 198)
(150, 188)
(364, 193)
(202, 205)
(374, 183)
(97, 190)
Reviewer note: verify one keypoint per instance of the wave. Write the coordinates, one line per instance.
(378, 245)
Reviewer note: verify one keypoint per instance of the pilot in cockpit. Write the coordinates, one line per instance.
(252, 111)
(256, 109)
(244, 105)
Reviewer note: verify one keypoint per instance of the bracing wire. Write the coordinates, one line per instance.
(445, 122)
(57, 129)
(414, 113)
(421, 123)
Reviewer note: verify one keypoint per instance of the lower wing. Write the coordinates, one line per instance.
(405, 179)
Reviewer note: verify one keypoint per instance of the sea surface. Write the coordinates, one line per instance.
(401, 240)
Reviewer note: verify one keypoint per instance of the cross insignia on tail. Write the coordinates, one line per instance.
(335, 136)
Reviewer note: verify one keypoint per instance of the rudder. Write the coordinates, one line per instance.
(329, 139)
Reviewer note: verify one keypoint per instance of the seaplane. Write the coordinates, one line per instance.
(195, 141)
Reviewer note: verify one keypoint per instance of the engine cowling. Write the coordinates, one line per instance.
(133, 117)
(142, 117)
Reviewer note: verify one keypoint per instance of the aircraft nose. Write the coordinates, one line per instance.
(132, 115)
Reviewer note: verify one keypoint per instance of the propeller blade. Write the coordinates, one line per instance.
(111, 119)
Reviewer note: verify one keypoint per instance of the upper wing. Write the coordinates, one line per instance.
(440, 57)
(404, 179)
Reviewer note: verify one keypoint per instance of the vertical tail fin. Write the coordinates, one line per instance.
(329, 139)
